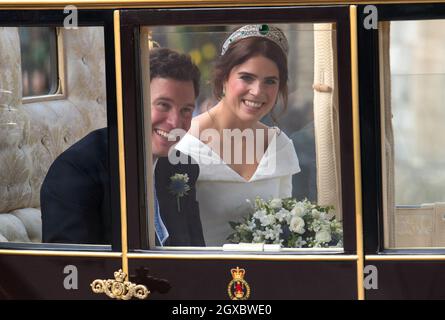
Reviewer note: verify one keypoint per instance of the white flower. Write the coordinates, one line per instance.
(269, 234)
(299, 243)
(267, 220)
(324, 235)
(315, 213)
(244, 227)
(297, 225)
(316, 225)
(298, 209)
(306, 224)
(335, 225)
(251, 225)
(257, 236)
(277, 229)
(282, 215)
(276, 203)
(259, 214)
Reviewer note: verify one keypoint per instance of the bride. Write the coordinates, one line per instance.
(240, 158)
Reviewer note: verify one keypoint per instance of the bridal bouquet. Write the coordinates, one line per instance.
(291, 223)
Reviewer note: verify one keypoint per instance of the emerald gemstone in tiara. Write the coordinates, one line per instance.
(264, 29)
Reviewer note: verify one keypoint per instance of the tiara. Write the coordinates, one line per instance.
(258, 30)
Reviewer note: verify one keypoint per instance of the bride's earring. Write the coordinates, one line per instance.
(223, 94)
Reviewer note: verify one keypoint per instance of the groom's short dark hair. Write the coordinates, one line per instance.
(166, 63)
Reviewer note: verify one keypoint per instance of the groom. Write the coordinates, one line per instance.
(75, 193)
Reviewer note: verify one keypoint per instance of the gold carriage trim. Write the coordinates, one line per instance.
(119, 288)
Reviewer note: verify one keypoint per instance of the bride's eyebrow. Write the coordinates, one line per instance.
(245, 73)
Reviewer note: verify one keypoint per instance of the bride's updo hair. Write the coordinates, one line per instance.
(242, 50)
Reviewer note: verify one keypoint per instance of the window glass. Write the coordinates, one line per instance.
(38, 48)
(414, 117)
(54, 154)
(253, 172)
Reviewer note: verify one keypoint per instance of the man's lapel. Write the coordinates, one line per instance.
(166, 199)
(184, 227)
(173, 220)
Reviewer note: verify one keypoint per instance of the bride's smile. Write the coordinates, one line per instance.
(251, 89)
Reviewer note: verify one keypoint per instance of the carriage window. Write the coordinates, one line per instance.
(53, 153)
(242, 159)
(38, 48)
(413, 113)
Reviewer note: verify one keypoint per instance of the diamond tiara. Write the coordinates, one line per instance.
(257, 30)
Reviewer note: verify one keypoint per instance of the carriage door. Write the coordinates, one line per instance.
(401, 89)
(57, 85)
(261, 259)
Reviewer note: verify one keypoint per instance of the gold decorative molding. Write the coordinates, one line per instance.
(54, 253)
(126, 4)
(357, 155)
(406, 257)
(248, 257)
(120, 138)
(119, 288)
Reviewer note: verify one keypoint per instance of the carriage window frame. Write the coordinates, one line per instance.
(371, 123)
(58, 87)
(132, 20)
(88, 18)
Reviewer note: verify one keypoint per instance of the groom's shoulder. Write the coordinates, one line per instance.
(91, 149)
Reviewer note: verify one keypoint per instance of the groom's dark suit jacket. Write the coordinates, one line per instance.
(75, 197)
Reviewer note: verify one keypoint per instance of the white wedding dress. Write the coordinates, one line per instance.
(222, 193)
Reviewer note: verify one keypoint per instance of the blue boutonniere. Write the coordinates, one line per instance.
(179, 186)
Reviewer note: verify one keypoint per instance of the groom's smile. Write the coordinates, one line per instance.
(172, 105)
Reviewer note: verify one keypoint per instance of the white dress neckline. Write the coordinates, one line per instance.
(281, 161)
(218, 158)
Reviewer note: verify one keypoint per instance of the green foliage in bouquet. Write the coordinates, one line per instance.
(291, 223)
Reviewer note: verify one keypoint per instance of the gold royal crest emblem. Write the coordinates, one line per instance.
(238, 288)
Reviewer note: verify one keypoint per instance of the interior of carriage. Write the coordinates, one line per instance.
(35, 131)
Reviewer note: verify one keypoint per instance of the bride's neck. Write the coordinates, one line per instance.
(224, 118)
